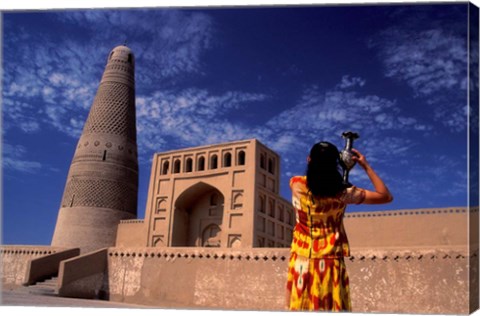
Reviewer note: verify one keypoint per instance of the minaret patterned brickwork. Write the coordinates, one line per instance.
(102, 183)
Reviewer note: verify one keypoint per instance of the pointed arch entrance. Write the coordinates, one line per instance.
(198, 215)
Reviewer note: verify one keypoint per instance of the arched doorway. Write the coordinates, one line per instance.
(198, 215)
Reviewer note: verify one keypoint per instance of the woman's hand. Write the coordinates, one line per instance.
(359, 158)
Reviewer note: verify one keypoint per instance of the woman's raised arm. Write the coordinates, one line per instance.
(381, 195)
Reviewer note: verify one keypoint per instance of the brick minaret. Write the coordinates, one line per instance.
(102, 183)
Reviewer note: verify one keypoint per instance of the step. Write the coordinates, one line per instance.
(43, 291)
(46, 287)
(48, 284)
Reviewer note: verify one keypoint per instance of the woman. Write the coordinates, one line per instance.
(317, 276)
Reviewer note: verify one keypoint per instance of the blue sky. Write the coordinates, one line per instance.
(288, 76)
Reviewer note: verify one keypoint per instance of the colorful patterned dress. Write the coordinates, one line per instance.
(317, 276)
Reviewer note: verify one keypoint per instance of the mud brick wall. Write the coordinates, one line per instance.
(14, 262)
(386, 281)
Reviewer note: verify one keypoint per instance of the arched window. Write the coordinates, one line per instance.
(214, 199)
(262, 161)
(189, 165)
(176, 166)
(227, 160)
(214, 162)
(201, 164)
(271, 166)
(238, 201)
(241, 158)
(166, 164)
(161, 206)
(129, 58)
(111, 55)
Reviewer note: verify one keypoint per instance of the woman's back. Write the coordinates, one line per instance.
(319, 230)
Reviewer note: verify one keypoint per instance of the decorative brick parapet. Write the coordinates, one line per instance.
(132, 221)
(422, 254)
(259, 254)
(28, 250)
(283, 254)
(438, 211)
(408, 257)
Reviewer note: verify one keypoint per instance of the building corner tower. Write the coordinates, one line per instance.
(102, 183)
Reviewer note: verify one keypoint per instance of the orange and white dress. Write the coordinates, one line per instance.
(317, 275)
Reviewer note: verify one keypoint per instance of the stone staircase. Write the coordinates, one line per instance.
(46, 287)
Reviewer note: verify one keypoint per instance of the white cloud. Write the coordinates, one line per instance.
(176, 39)
(14, 159)
(62, 119)
(29, 127)
(453, 117)
(428, 60)
(55, 84)
(320, 115)
(385, 130)
(190, 117)
(350, 82)
(433, 63)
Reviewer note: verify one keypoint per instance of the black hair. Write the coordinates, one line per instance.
(323, 170)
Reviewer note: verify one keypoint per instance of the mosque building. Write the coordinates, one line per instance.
(224, 195)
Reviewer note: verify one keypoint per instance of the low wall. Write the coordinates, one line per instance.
(39, 269)
(84, 276)
(386, 281)
(420, 281)
(438, 227)
(14, 260)
(198, 277)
